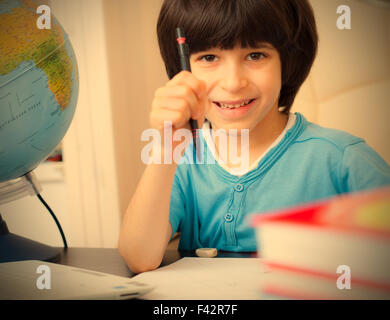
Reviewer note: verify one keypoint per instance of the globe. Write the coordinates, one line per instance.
(38, 87)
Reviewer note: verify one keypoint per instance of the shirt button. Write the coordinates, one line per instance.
(228, 217)
(239, 187)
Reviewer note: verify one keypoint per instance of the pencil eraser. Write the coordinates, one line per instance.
(206, 252)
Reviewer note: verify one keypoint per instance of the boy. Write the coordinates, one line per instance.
(248, 60)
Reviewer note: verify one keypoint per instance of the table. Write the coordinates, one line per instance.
(108, 260)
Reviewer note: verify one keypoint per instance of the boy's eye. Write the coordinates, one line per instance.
(256, 55)
(208, 58)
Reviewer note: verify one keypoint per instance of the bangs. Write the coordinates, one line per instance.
(225, 24)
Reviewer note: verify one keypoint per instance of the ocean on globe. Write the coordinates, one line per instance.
(38, 87)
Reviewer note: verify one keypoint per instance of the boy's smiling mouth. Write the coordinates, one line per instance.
(233, 109)
(233, 104)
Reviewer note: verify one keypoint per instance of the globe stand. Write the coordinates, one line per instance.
(12, 246)
(16, 248)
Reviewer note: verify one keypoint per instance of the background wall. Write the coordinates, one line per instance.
(120, 68)
(349, 85)
(135, 70)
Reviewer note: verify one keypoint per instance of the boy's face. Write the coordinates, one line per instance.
(243, 84)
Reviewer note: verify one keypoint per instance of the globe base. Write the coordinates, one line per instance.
(17, 248)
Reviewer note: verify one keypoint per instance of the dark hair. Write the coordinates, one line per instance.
(289, 25)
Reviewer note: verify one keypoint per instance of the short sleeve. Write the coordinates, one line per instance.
(363, 168)
(176, 206)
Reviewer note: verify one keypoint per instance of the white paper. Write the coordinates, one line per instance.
(206, 278)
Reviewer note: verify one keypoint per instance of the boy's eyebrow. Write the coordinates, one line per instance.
(264, 45)
(260, 45)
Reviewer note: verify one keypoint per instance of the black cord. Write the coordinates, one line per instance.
(55, 219)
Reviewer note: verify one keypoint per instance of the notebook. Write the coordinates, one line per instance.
(36, 280)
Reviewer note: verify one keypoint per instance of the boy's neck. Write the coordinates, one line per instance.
(266, 131)
(261, 136)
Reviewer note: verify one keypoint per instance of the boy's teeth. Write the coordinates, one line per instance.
(233, 106)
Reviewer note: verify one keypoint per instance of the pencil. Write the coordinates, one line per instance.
(184, 55)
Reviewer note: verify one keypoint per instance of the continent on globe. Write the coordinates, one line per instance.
(38, 87)
(21, 40)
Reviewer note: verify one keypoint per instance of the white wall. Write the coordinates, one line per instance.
(349, 85)
(89, 145)
(136, 70)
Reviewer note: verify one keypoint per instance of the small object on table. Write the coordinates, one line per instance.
(206, 252)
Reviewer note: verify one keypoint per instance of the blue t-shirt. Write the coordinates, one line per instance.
(209, 206)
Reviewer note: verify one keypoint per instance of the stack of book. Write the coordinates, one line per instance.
(333, 249)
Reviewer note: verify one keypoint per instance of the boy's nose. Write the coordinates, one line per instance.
(233, 79)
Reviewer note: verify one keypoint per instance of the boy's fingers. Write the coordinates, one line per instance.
(168, 106)
(187, 78)
(174, 104)
(181, 92)
(159, 119)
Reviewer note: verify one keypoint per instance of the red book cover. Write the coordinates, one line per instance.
(366, 213)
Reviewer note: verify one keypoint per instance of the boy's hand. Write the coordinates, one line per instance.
(182, 98)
